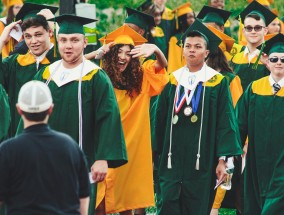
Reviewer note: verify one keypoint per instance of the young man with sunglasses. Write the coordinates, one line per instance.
(260, 115)
(246, 65)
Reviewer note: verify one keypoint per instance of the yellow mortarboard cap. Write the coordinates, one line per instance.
(9, 3)
(229, 41)
(275, 11)
(123, 35)
(263, 2)
(183, 9)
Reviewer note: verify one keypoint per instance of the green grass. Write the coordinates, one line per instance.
(225, 211)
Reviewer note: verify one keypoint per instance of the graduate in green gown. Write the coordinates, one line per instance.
(255, 18)
(18, 69)
(260, 115)
(195, 127)
(85, 105)
(4, 113)
(156, 34)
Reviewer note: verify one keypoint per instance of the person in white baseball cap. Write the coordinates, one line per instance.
(34, 103)
(49, 164)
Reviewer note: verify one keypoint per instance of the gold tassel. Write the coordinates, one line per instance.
(55, 39)
(169, 160)
(181, 49)
(258, 57)
(176, 20)
(101, 60)
(240, 29)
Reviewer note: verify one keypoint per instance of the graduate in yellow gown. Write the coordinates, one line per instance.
(184, 18)
(131, 186)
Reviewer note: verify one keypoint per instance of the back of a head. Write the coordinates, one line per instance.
(34, 97)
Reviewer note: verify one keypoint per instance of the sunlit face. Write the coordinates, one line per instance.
(136, 28)
(190, 18)
(71, 48)
(160, 2)
(124, 57)
(194, 51)
(37, 39)
(17, 8)
(253, 37)
(274, 27)
(157, 16)
(276, 69)
(220, 4)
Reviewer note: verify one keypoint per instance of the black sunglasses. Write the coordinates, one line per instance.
(275, 59)
(256, 28)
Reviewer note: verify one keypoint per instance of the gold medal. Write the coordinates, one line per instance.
(194, 118)
(175, 119)
(187, 111)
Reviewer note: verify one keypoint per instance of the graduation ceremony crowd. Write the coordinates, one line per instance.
(169, 112)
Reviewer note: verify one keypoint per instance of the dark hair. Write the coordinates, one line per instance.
(129, 80)
(35, 117)
(256, 17)
(217, 60)
(10, 15)
(36, 21)
(195, 34)
(151, 9)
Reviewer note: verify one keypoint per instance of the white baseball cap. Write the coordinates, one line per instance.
(34, 97)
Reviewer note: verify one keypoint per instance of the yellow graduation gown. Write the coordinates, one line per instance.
(131, 186)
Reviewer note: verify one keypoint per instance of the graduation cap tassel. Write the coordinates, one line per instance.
(176, 20)
(55, 40)
(258, 57)
(169, 160)
(197, 162)
(101, 59)
(181, 46)
(240, 29)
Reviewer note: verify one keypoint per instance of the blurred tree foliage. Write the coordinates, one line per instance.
(114, 18)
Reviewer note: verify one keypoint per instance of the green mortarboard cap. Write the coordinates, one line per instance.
(30, 10)
(211, 14)
(145, 5)
(275, 44)
(142, 20)
(71, 24)
(256, 8)
(212, 40)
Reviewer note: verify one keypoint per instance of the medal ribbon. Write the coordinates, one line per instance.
(179, 100)
(195, 100)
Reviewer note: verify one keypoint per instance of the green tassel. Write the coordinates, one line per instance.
(258, 57)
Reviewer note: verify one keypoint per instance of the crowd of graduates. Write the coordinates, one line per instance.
(164, 110)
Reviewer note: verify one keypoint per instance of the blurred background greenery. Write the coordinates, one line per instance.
(111, 13)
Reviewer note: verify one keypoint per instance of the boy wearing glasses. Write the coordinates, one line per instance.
(260, 114)
(246, 65)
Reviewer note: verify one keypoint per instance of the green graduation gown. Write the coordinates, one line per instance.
(274, 201)
(15, 71)
(244, 70)
(260, 116)
(185, 190)
(4, 113)
(102, 132)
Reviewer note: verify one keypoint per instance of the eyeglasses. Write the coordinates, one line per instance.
(256, 28)
(276, 59)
